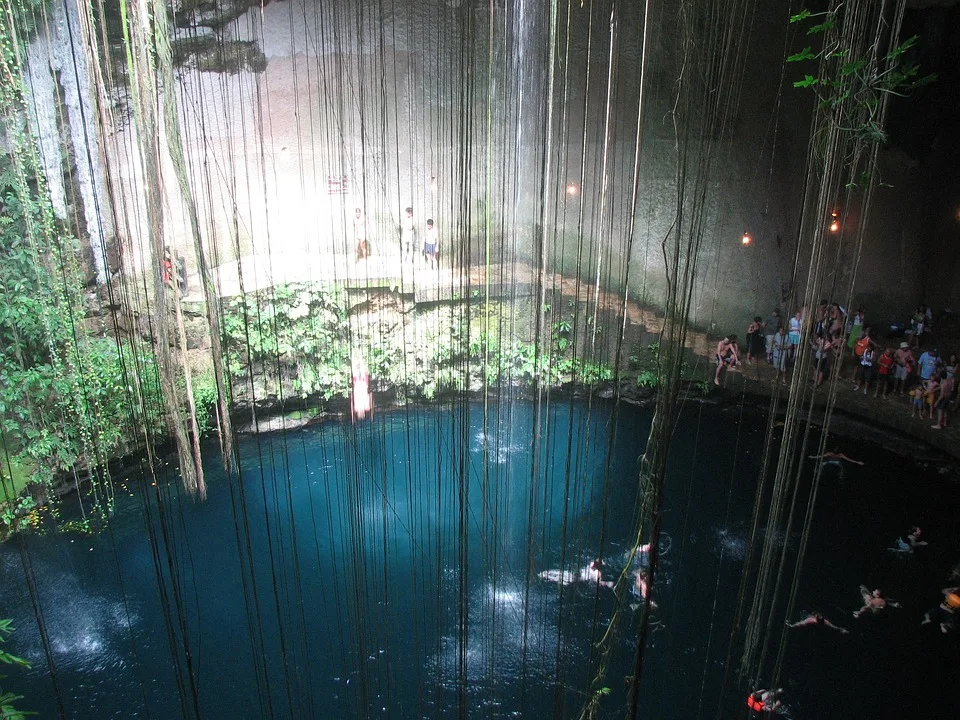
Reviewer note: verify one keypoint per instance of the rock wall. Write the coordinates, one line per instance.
(363, 105)
(64, 122)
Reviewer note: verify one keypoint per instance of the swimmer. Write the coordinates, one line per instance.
(594, 573)
(833, 458)
(817, 619)
(641, 588)
(591, 573)
(913, 541)
(946, 611)
(873, 602)
(766, 701)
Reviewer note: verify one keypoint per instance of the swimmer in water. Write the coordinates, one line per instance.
(873, 602)
(834, 458)
(592, 573)
(641, 588)
(946, 612)
(913, 541)
(767, 701)
(817, 619)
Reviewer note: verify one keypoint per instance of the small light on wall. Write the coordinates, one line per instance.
(834, 223)
(572, 189)
(746, 239)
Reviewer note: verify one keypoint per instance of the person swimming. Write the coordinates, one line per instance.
(816, 618)
(592, 573)
(767, 701)
(873, 602)
(946, 612)
(913, 541)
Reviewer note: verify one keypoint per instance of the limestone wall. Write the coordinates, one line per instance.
(418, 104)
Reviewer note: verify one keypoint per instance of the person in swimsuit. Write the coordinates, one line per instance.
(766, 701)
(817, 619)
(360, 235)
(361, 397)
(592, 573)
(726, 356)
(431, 244)
(946, 612)
(873, 602)
(948, 391)
(913, 541)
(796, 322)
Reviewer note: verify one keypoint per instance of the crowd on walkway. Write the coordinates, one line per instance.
(906, 363)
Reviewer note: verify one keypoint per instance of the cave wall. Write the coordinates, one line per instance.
(418, 105)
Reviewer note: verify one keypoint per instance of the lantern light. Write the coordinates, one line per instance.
(572, 189)
(746, 239)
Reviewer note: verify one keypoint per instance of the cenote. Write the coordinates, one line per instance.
(393, 569)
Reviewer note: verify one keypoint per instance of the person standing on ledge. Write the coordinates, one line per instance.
(431, 244)
(726, 356)
(360, 235)
(407, 231)
(948, 391)
(771, 329)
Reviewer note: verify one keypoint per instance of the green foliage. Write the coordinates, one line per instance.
(65, 399)
(851, 87)
(294, 330)
(7, 709)
(204, 387)
(647, 379)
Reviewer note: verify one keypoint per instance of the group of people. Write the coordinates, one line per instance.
(408, 238)
(930, 380)
(771, 701)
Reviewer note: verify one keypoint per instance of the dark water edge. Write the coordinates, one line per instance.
(375, 596)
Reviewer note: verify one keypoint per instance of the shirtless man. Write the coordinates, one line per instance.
(726, 356)
(873, 602)
(904, 366)
(942, 403)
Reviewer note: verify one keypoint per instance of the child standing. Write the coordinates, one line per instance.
(795, 324)
(431, 244)
(867, 367)
(916, 402)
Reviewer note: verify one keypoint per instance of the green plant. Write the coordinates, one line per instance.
(853, 80)
(296, 330)
(204, 387)
(7, 710)
(647, 379)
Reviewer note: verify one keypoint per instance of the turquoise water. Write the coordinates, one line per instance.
(392, 570)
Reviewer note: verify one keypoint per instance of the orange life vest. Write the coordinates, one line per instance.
(861, 346)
